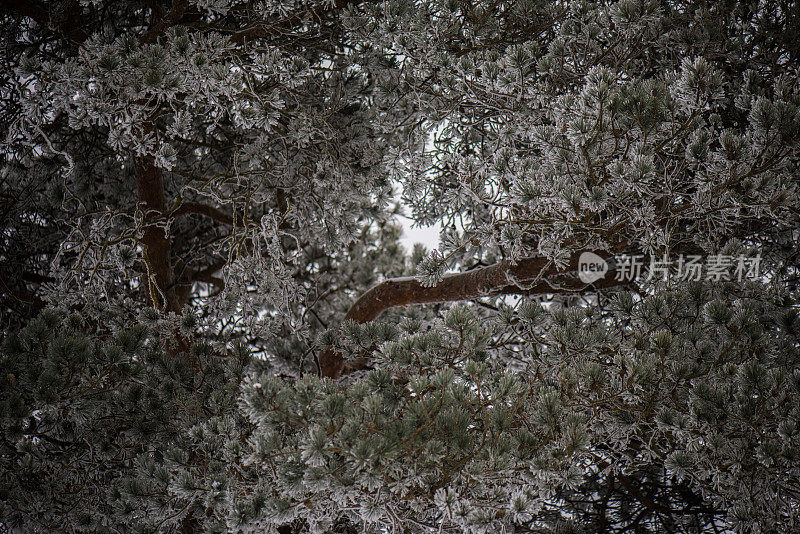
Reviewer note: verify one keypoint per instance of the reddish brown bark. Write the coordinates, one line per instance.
(164, 292)
(157, 250)
(530, 276)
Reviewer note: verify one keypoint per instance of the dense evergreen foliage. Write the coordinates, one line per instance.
(209, 324)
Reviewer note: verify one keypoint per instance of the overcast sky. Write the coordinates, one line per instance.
(428, 235)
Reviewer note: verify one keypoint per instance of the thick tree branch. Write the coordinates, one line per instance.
(196, 208)
(207, 275)
(530, 276)
(211, 269)
(498, 279)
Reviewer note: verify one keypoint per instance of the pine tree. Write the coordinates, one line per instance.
(210, 325)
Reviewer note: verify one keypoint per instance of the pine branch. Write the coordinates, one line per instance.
(493, 280)
(503, 278)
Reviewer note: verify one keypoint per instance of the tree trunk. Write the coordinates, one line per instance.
(160, 281)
